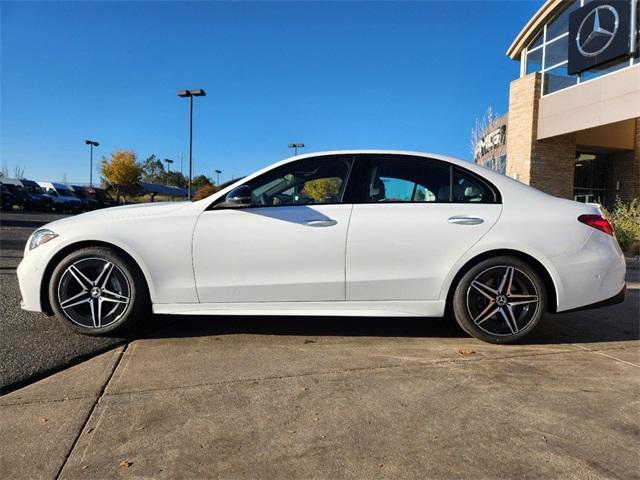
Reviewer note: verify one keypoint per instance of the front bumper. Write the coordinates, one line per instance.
(31, 272)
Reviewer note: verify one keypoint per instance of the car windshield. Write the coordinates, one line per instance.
(34, 189)
(65, 192)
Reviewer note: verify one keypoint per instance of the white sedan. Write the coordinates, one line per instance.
(369, 233)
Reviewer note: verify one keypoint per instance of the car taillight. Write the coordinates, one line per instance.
(598, 222)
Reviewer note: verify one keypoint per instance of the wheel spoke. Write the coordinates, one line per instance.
(522, 299)
(74, 301)
(507, 280)
(109, 296)
(509, 319)
(485, 290)
(99, 302)
(80, 277)
(104, 275)
(490, 310)
(94, 318)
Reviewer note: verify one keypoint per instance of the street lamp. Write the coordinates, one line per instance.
(218, 172)
(296, 146)
(168, 161)
(198, 92)
(91, 144)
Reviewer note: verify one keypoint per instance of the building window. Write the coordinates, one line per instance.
(558, 79)
(499, 164)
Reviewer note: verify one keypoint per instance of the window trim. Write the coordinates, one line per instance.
(367, 158)
(352, 158)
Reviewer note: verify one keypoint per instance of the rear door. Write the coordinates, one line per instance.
(416, 217)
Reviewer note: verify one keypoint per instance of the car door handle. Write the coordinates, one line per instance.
(320, 223)
(465, 220)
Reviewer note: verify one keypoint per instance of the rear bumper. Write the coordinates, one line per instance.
(616, 299)
(591, 276)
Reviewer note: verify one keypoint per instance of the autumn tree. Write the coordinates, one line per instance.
(200, 181)
(322, 188)
(121, 169)
(205, 191)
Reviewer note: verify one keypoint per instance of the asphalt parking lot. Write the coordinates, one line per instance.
(32, 345)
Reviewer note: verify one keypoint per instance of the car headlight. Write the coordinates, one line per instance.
(41, 237)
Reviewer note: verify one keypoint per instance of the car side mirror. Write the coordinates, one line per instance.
(239, 197)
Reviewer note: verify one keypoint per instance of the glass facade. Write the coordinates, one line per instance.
(548, 52)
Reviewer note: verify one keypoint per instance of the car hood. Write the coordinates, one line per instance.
(121, 212)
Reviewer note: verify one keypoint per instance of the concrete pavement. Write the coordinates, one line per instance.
(339, 398)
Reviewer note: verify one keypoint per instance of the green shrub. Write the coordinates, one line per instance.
(625, 219)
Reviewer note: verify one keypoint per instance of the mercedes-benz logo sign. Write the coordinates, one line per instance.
(592, 38)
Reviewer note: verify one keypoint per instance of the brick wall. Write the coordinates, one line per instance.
(545, 164)
(625, 169)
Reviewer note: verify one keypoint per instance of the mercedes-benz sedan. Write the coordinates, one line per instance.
(368, 233)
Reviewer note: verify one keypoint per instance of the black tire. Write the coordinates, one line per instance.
(93, 298)
(486, 308)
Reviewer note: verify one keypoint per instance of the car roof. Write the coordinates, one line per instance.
(11, 181)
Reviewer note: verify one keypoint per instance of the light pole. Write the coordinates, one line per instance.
(218, 172)
(168, 161)
(296, 146)
(198, 92)
(91, 144)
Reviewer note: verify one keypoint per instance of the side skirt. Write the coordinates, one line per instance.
(418, 308)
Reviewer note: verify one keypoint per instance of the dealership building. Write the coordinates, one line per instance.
(573, 125)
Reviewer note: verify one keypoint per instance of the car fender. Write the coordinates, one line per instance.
(501, 248)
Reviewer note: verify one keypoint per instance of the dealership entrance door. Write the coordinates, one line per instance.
(591, 178)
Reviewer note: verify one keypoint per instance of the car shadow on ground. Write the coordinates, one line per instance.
(617, 323)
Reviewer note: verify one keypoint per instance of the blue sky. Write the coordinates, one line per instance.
(332, 75)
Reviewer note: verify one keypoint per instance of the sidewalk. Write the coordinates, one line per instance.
(339, 398)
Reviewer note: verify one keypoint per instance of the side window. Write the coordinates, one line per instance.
(407, 179)
(309, 181)
(469, 188)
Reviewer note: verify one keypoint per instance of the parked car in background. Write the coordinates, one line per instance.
(104, 198)
(37, 198)
(22, 197)
(6, 198)
(86, 196)
(63, 198)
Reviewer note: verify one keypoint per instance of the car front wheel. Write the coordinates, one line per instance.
(96, 291)
(500, 300)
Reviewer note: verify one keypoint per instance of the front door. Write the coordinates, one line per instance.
(288, 246)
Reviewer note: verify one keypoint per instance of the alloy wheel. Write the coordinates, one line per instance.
(502, 300)
(93, 292)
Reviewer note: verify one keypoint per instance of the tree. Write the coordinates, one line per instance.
(200, 181)
(322, 188)
(4, 171)
(18, 172)
(482, 124)
(176, 179)
(205, 191)
(153, 170)
(121, 169)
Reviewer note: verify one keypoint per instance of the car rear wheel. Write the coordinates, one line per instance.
(96, 291)
(500, 300)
